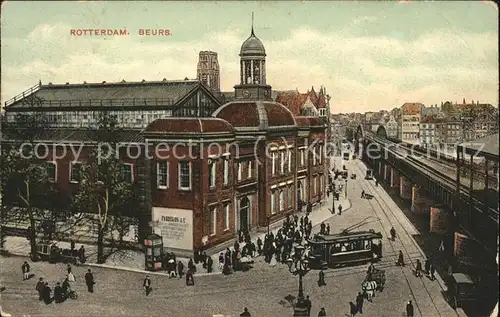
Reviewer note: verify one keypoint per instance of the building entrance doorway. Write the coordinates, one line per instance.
(244, 214)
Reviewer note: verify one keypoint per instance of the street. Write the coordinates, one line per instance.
(262, 289)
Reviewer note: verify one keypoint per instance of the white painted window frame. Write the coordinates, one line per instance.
(71, 174)
(179, 168)
(158, 175)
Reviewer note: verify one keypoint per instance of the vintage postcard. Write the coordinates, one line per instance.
(249, 158)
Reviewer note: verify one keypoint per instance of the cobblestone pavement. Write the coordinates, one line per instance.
(262, 289)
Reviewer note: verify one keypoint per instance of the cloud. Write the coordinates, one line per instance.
(360, 73)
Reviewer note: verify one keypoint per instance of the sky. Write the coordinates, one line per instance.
(369, 55)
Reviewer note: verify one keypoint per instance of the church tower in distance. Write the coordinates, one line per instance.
(208, 70)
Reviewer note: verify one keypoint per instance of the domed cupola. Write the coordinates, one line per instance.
(252, 70)
(252, 46)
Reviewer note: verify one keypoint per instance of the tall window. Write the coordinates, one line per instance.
(273, 201)
(74, 172)
(282, 200)
(126, 174)
(320, 154)
(51, 170)
(302, 161)
(162, 174)
(290, 196)
(226, 171)
(289, 161)
(315, 185)
(212, 172)
(213, 220)
(282, 162)
(273, 162)
(227, 212)
(249, 169)
(240, 167)
(184, 175)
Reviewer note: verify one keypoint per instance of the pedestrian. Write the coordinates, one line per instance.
(72, 245)
(189, 278)
(89, 280)
(308, 305)
(340, 210)
(363, 194)
(427, 266)
(393, 233)
(66, 288)
(322, 312)
(352, 309)
(210, 264)
(328, 229)
(147, 285)
(245, 313)
(418, 269)
(180, 268)
(409, 309)
(204, 258)
(39, 287)
(441, 246)
(432, 270)
(26, 270)
(47, 292)
(400, 261)
(81, 254)
(259, 246)
(68, 268)
(359, 302)
(376, 182)
(191, 266)
(58, 298)
(322, 228)
(321, 278)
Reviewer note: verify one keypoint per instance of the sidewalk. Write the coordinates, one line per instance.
(133, 261)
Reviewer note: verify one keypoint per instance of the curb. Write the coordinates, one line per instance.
(122, 268)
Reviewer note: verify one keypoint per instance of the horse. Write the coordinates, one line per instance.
(369, 288)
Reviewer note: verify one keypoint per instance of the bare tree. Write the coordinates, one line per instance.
(104, 191)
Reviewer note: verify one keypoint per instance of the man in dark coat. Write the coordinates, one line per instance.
(147, 285)
(26, 270)
(432, 270)
(409, 309)
(39, 287)
(359, 303)
(259, 246)
(189, 278)
(427, 266)
(308, 303)
(47, 292)
(89, 280)
(210, 264)
(328, 229)
(245, 313)
(321, 278)
(322, 312)
(81, 254)
(58, 295)
(340, 210)
(180, 269)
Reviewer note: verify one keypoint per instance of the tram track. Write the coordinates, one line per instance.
(367, 186)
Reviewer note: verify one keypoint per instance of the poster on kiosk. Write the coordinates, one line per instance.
(175, 226)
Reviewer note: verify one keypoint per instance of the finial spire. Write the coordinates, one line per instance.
(253, 34)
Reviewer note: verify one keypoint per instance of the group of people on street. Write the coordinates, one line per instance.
(60, 293)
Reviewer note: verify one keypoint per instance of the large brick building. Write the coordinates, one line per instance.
(202, 179)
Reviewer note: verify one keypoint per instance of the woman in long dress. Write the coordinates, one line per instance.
(273, 261)
(71, 277)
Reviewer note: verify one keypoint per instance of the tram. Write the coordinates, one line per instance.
(345, 248)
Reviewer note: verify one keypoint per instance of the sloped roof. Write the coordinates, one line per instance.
(308, 121)
(293, 101)
(487, 147)
(411, 108)
(321, 100)
(123, 93)
(75, 135)
(314, 97)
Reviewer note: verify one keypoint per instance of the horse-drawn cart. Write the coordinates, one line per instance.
(49, 251)
(378, 276)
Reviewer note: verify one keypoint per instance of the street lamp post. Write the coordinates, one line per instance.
(298, 264)
(346, 188)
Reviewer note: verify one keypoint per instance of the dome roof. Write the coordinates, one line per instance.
(255, 115)
(252, 46)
